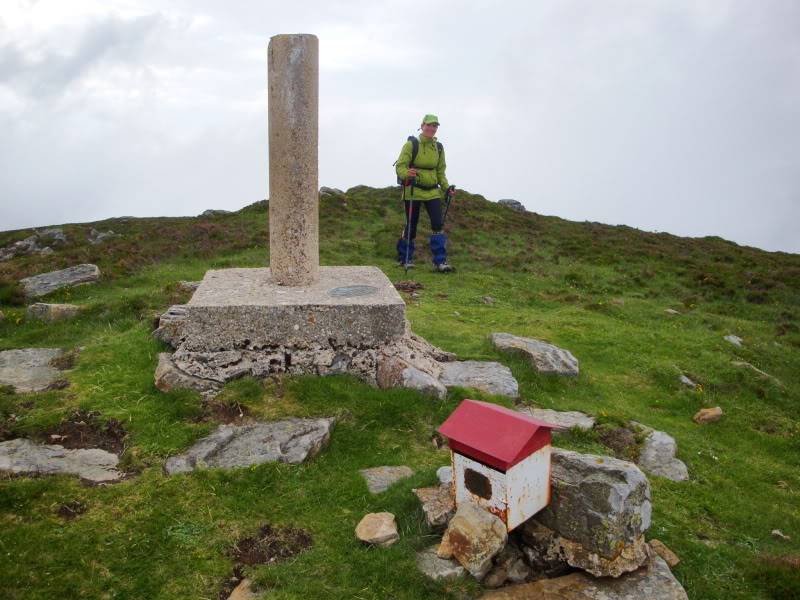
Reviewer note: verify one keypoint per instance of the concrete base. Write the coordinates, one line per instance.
(239, 322)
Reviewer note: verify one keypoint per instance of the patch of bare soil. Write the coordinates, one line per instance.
(84, 429)
(70, 510)
(621, 441)
(408, 286)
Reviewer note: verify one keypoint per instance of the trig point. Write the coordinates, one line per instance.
(295, 316)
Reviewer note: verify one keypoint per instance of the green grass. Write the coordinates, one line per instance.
(599, 291)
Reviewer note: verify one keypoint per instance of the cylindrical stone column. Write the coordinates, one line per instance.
(293, 73)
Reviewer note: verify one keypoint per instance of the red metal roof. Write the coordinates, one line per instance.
(494, 435)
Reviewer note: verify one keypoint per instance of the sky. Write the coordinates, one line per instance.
(667, 115)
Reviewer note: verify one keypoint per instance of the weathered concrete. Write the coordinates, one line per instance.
(490, 377)
(289, 441)
(29, 369)
(293, 71)
(25, 457)
(44, 283)
(544, 357)
(380, 479)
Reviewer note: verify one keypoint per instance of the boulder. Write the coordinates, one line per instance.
(544, 357)
(512, 204)
(438, 568)
(734, 339)
(665, 553)
(53, 235)
(564, 419)
(169, 377)
(25, 457)
(489, 377)
(438, 505)
(598, 513)
(652, 582)
(98, 237)
(475, 536)
(52, 312)
(379, 479)
(229, 446)
(378, 529)
(213, 212)
(657, 455)
(24, 247)
(44, 283)
(707, 415)
(29, 369)
(328, 191)
(395, 372)
(46, 251)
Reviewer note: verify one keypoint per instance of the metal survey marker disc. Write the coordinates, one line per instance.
(349, 291)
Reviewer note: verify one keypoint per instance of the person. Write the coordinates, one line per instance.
(425, 184)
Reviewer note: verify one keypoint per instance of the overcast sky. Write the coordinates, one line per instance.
(673, 115)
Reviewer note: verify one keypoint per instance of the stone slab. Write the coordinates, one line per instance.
(380, 479)
(489, 377)
(44, 283)
(244, 308)
(29, 369)
(25, 457)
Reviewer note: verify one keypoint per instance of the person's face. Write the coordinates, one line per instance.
(429, 129)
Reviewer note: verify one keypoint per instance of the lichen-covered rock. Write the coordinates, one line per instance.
(438, 505)
(229, 446)
(380, 479)
(52, 312)
(475, 536)
(657, 455)
(378, 529)
(489, 377)
(438, 568)
(651, 582)
(25, 457)
(29, 369)
(598, 513)
(44, 283)
(544, 357)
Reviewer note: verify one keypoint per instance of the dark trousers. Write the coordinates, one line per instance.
(434, 208)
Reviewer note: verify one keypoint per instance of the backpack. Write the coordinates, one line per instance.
(414, 150)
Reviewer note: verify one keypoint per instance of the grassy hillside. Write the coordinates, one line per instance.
(597, 290)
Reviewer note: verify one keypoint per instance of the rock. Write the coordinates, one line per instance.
(2, 315)
(657, 455)
(734, 339)
(668, 555)
(229, 446)
(746, 365)
(52, 312)
(243, 591)
(98, 237)
(496, 577)
(652, 582)
(707, 415)
(687, 382)
(512, 204)
(21, 248)
(509, 565)
(544, 357)
(44, 283)
(213, 212)
(565, 419)
(777, 533)
(438, 504)
(379, 479)
(488, 300)
(414, 379)
(53, 235)
(445, 475)
(489, 377)
(25, 457)
(46, 251)
(671, 311)
(29, 369)
(170, 325)
(438, 568)
(598, 513)
(378, 529)
(188, 286)
(169, 377)
(475, 536)
(327, 191)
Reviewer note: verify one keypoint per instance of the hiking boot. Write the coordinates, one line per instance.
(405, 265)
(443, 268)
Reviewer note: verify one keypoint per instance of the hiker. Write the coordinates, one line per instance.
(421, 171)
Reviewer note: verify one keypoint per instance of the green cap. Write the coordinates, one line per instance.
(430, 119)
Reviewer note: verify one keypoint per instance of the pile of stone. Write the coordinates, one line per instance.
(98, 237)
(596, 522)
(40, 242)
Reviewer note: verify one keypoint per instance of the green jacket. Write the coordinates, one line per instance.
(430, 169)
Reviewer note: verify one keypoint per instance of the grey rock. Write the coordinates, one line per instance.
(44, 283)
(21, 248)
(327, 191)
(98, 237)
(170, 325)
(489, 377)
(29, 369)
(169, 377)
(46, 251)
(488, 300)
(445, 475)
(438, 568)
(414, 379)
(229, 446)
(213, 212)
(53, 235)
(657, 455)
(25, 457)
(512, 204)
(671, 311)
(475, 536)
(734, 339)
(438, 505)
(598, 513)
(566, 419)
(379, 479)
(687, 382)
(52, 312)
(188, 286)
(654, 581)
(546, 358)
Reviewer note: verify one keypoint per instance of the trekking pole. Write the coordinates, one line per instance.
(450, 191)
(408, 222)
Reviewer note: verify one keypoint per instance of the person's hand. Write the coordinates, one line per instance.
(412, 172)
(452, 194)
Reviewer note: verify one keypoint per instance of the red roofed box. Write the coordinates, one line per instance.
(501, 459)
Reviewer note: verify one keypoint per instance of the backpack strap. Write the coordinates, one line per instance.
(414, 149)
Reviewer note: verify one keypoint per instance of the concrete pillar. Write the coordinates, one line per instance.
(293, 73)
